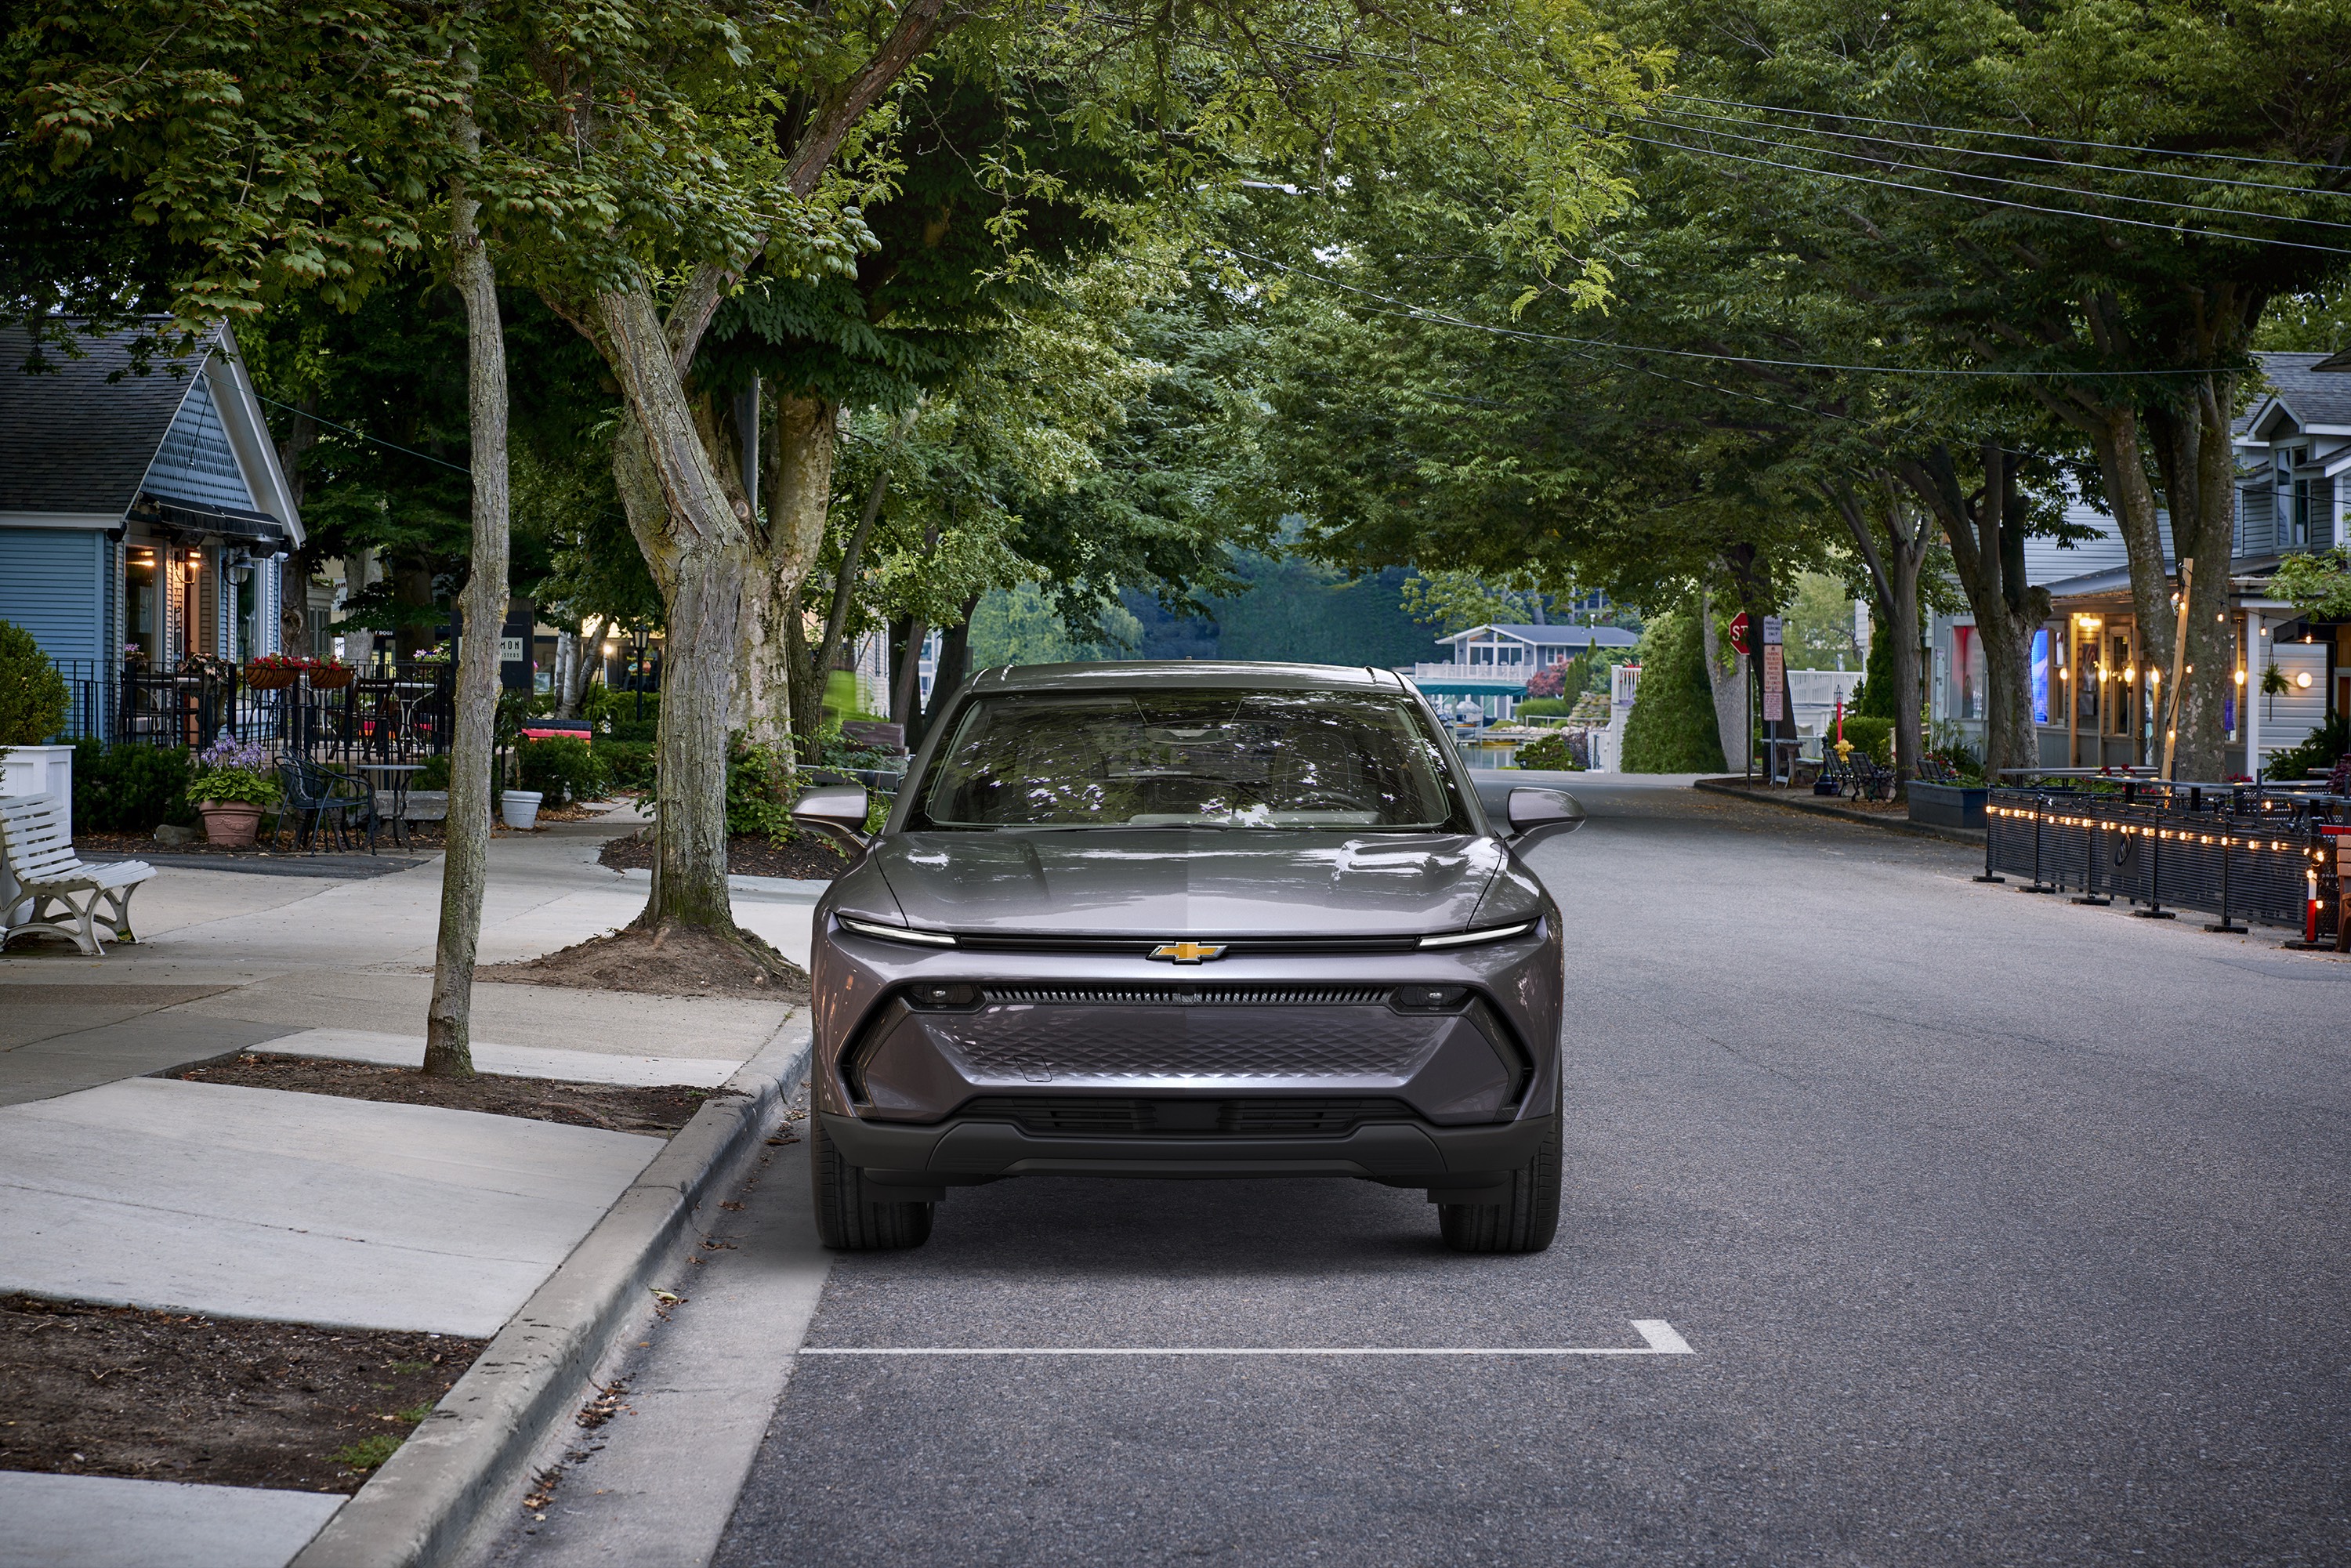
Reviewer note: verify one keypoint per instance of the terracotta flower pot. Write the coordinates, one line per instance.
(229, 823)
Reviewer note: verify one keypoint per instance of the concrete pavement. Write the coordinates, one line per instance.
(119, 1187)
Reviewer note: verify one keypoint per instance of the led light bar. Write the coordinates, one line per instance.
(1472, 939)
(896, 933)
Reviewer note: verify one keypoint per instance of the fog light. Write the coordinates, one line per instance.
(932, 994)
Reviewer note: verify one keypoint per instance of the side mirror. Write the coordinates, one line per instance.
(1539, 814)
(837, 810)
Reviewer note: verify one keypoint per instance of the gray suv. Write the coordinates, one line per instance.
(1188, 920)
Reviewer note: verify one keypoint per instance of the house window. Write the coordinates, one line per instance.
(142, 615)
(2292, 500)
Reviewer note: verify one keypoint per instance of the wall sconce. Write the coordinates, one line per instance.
(2303, 680)
(2154, 676)
(2241, 677)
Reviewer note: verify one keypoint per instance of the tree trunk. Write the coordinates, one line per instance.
(1726, 672)
(774, 640)
(448, 1043)
(576, 658)
(907, 635)
(954, 663)
(1893, 541)
(1986, 533)
(694, 541)
(823, 658)
(2194, 452)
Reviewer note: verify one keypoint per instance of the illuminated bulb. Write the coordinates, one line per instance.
(2303, 680)
(2241, 677)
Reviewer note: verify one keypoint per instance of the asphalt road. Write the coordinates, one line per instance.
(2000, 1230)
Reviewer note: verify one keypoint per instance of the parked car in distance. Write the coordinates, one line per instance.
(1188, 920)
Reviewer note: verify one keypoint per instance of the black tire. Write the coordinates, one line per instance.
(1527, 1222)
(850, 1216)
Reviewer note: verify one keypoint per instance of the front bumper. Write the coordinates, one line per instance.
(968, 1149)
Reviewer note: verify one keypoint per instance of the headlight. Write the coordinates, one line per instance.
(1472, 939)
(896, 933)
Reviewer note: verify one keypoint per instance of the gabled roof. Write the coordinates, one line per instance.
(1555, 636)
(81, 442)
(2302, 394)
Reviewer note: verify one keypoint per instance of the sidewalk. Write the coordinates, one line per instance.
(123, 1187)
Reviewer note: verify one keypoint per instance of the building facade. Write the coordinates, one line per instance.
(2096, 695)
(141, 510)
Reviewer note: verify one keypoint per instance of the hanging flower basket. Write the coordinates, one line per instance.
(261, 680)
(330, 676)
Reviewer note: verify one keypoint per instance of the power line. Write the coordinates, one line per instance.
(1884, 161)
(362, 436)
(2019, 157)
(2005, 135)
(1423, 313)
(1993, 201)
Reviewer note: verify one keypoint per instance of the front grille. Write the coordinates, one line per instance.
(1182, 995)
(1247, 1118)
(1140, 947)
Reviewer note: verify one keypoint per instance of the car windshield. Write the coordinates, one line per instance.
(1190, 758)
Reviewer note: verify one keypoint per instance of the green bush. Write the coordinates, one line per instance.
(1550, 751)
(603, 703)
(1871, 737)
(130, 788)
(1672, 728)
(629, 763)
(433, 774)
(1538, 708)
(33, 695)
(759, 792)
(2329, 742)
(561, 770)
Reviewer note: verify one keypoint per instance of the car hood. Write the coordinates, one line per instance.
(1180, 881)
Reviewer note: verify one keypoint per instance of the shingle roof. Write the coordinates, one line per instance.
(73, 441)
(2312, 395)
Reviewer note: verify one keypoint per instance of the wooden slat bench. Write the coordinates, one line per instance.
(56, 893)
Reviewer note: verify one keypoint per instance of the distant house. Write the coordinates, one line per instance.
(1491, 663)
(138, 511)
(2095, 691)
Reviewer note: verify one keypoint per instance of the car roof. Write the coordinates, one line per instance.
(1186, 673)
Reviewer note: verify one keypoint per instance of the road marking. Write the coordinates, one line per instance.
(1657, 1334)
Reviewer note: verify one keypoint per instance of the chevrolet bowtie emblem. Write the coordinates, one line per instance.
(1190, 952)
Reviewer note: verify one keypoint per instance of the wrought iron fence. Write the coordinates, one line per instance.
(2241, 853)
(386, 712)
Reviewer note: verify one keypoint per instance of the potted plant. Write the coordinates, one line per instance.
(232, 787)
(328, 674)
(275, 671)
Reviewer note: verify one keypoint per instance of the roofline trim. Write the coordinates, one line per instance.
(61, 519)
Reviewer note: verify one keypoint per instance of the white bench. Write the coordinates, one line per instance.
(48, 889)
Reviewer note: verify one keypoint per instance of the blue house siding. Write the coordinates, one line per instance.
(194, 462)
(52, 584)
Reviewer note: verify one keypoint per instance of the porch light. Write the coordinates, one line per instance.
(2241, 677)
(2303, 680)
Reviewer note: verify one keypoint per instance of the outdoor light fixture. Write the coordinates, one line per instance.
(2303, 680)
(2241, 677)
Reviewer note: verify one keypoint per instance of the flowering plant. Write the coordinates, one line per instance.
(234, 769)
(294, 662)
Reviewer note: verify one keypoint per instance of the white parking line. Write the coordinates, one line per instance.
(1657, 1334)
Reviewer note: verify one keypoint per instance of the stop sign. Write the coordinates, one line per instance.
(1739, 633)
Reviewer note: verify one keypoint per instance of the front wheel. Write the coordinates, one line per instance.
(851, 1215)
(1524, 1224)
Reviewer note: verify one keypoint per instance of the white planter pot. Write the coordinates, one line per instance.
(520, 808)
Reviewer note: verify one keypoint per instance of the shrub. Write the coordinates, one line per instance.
(759, 790)
(1551, 751)
(1537, 707)
(129, 789)
(630, 763)
(1672, 728)
(2329, 742)
(234, 769)
(433, 774)
(33, 695)
(562, 770)
(603, 703)
(1871, 737)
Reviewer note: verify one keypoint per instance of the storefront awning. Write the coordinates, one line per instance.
(260, 533)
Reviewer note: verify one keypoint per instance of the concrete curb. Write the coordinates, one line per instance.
(1844, 814)
(428, 1499)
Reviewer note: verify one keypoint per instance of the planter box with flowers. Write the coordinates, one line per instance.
(274, 671)
(232, 786)
(330, 675)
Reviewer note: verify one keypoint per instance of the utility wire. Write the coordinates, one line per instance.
(1994, 201)
(1881, 161)
(1883, 141)
(362, 436)
(2005, 135)
(1423, 313)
